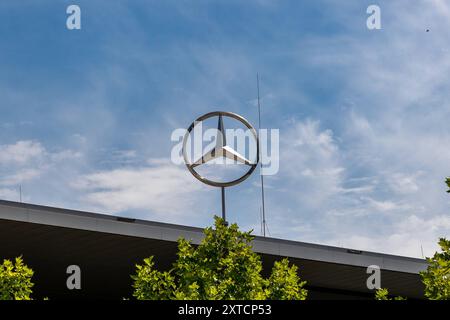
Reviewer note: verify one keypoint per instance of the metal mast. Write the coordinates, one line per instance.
(260, 161)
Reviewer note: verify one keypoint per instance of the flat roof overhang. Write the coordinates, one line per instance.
(107, 248)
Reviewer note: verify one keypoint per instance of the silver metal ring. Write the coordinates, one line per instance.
(202, 118)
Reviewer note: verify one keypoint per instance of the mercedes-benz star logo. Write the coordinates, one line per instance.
(221, 149)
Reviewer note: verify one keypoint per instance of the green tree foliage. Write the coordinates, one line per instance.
(437, 276)
(222, 267)
(383, 294)
(284, 282)
(15, 280)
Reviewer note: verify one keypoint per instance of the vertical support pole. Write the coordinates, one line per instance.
(260, 162)
(223, 206)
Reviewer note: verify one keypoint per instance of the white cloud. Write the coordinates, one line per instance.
(158, 190)
(409, 236)
(154, 189)
(386, 205)
(65, 155)
(404, 183)
(19, 177)
(310, 156)
(8, 193)
(30, 165)
(20, 152)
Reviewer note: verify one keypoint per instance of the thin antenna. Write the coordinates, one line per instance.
(268, 231)
(261, 219)
(421, 248)
(260, 161)
(20, 193)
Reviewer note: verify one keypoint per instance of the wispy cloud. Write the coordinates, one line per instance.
(28, 163)
(20, 152)
(158, 190)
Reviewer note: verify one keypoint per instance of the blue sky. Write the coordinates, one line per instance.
(86, 115)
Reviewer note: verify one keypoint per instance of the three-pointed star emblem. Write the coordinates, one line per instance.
(221, 150)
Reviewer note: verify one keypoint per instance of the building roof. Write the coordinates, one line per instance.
(34, 229)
